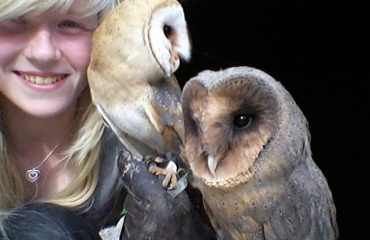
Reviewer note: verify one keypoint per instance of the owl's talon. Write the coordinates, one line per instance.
(169, 173)
(159, 160)
(148, 160)
(170, 181)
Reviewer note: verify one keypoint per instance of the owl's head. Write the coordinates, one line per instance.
(168, 35)
(235, 119)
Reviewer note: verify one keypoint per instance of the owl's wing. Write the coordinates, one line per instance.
(122, 136)
(213, 220)
(312, 219)
(165, 111)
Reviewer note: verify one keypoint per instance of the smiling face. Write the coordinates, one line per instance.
(43, 59)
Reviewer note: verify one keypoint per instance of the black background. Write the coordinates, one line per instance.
(318, 50)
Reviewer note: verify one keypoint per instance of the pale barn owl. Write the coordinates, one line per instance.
(135, 52)
(247, 146)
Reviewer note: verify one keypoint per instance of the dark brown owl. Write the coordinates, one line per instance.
(247, 146)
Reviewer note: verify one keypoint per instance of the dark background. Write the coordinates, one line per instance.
(319, 51)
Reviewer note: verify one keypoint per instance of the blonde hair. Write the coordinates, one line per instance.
(85, 152)
(86, 147)
(14, 8)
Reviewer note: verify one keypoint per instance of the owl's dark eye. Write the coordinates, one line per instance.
(242, 120)
(167, 30)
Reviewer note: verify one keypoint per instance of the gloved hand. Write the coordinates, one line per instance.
(151, 212)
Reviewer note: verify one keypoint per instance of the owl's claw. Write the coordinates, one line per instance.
(169, 172)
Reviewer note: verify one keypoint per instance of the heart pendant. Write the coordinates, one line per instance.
(33, 174)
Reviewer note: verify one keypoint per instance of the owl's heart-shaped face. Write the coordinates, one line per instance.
(221, 115)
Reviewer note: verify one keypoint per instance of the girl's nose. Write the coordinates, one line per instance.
(41, 48)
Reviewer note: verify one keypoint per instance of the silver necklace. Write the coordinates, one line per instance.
(34, 174)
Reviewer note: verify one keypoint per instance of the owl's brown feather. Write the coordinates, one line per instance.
(136, 50)
(247, 145)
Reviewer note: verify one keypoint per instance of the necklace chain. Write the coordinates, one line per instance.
(34, 173)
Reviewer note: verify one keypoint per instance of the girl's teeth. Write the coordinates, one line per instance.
(41, 80)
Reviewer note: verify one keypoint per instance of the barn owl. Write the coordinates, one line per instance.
(247, 146)
(135, 52)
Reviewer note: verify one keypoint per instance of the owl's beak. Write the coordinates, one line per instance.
(212, 164)
(175, 60)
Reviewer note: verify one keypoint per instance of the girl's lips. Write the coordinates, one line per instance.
(41, 80)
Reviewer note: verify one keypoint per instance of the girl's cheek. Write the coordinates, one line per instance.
(77, 51)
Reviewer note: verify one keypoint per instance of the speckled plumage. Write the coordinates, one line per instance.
(247, 145)
(135, 52)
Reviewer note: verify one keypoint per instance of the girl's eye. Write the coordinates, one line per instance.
(69, 24)
(14, 25)
(14, 22)
(72, 27)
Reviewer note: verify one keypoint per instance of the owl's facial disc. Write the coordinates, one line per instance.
(168, 38)
(170, 34)
(177, 52)
(212, 163)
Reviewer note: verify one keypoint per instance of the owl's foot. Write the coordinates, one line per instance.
(168, 172)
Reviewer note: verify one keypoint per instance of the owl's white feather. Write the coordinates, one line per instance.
(161, 45)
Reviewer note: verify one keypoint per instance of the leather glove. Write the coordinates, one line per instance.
(152, 213)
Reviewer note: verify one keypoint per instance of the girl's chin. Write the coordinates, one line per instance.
(47, 110)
